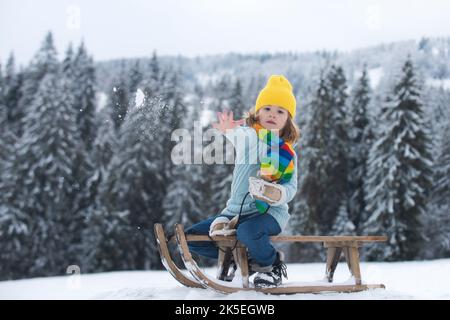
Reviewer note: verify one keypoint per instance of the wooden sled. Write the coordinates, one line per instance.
(336, 245)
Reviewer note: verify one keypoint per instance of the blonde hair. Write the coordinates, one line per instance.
(290, 133)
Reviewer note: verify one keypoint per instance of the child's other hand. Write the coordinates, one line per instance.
(226, 121)
(266, 191)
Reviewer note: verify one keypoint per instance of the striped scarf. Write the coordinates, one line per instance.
(277, 165)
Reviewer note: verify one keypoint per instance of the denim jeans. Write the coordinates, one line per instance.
(253, 230)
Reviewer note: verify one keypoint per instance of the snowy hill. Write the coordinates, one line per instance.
(403, 280)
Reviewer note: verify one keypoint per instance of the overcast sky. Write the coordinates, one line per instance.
(132, 28)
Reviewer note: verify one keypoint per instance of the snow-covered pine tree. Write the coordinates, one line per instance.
(360, 136)
(172, 115)
(133, 191)
(75, 75)
(96, 163)
(14, 236)
(85, 92)
(222, 93)
(43, 186)
(12, 92)
(437, 220)
(443, 167)
(255, 84)
(337, 146)
(118, 99)
(343, 225)
(104, 240)
(105, 143)
(236, 100)
(153, 79)
(438, 108)
(184, 202)
(3, 127)
(2, 94)
(44, 62)
(399, 172)
(104, 228)
(200, 170)
(313, 161)
(13, 223)
(67, 65)
(135, 79)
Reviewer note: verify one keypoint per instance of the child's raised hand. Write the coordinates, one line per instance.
(226, 121)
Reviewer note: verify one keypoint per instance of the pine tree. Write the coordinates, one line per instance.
(105, 246)
(85, 91)
(222, 94)
(13, 223)
(118, 100)
(184, 200)
(360, 136)
(343, 226)
(315, 157)
(153, 81)
(236, 100)
(399, 172)
(136, 77)
(172, 115)
(104, 227)
(182, 203)
(67, 65)
(43, 187)
(437, 220)
(198, 171)
(134, 191)
(337, 145)
(106, 141)
(312, 164)
(3, 108)
(44, 62)
(12, 93)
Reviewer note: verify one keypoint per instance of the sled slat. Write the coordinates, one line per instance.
(333, 239)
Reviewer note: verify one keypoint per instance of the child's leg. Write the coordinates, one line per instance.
(254, 233)
(202, 248)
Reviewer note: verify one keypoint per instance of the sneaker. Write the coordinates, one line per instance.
(272, 278)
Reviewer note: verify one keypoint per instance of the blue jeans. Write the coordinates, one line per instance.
(253, 230)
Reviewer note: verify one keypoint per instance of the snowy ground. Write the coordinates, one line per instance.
(403, 280)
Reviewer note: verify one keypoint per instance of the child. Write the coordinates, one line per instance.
(271, 181)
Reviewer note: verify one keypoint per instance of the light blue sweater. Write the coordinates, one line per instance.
(247, 164)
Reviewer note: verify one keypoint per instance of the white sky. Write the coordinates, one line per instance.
(132, 28)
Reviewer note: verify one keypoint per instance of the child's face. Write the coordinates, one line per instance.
(273, 117)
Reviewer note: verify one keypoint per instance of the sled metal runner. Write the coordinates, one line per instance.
(335, 245)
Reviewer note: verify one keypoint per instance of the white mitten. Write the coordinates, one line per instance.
(221, 226)
(263, 190)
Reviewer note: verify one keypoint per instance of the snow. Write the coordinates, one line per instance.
(375, 75)
(207, 117)
(403, 280)
(139, 100)
(101, 99)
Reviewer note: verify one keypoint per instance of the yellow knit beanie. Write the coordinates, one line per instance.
(278, 91)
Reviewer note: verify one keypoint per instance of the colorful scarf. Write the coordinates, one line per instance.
(277, 165)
